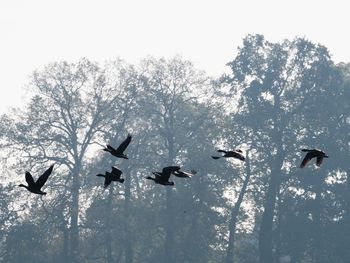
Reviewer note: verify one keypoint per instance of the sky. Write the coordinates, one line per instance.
(37, 32)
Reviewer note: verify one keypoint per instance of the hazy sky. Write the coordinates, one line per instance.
(35, 32)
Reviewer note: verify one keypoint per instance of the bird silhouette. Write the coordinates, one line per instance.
(114, 175)
(35, 187)
(119, 152)
(163, 176)
(313, 153)
(227, 154)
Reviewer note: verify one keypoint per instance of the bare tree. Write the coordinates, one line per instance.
(73, 105)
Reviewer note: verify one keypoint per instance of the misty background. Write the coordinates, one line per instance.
(269, 97)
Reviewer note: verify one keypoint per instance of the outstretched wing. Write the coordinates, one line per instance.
(43, 178)
(108, 181)
(166, 172)
(171, 169)
(124, 144)
(29, 179)
(116, 171)
(319, 160)
(306, 159)
(238, 155)
(182, 174)
(110, 148)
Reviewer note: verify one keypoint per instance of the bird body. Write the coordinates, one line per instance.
(163, 176)
(114, 175)
(119, 152)
(35, 187)
(227, 154)
(313, 153)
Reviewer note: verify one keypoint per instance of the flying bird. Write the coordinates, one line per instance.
(119, 152)
(35, 187)
(227, 154)
(114, 175)
(163, 176)
(313, 153)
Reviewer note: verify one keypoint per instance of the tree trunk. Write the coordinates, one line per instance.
(169, 228)
(127, 239)
(109, 240)
(168, 224)
(265, 234)
(65, 250)
(278, 237)
(318, 251)
(234, 215)
(74, 228)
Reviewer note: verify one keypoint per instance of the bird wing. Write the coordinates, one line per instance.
(43, 178)
(124, 144)
(319, 160)
(171, 169)
(110, 148)
(116, 171)
(306, 159)
(29, 179)
(238, 155)
(182, 174)
(108, 180)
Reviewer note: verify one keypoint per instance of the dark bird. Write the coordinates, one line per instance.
(112, 176)
(119, 152)
(163, 177)
(312, 154)
(35, 187)
(183, 174)
(235, 154)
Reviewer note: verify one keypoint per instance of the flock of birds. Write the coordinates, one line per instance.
(160, 177)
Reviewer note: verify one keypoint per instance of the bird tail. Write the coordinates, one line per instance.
(215, 157)
(305, 150)
(221, 151)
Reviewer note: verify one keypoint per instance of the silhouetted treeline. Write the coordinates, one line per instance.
(277, 99)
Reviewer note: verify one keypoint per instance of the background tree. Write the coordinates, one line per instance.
(71, 106)
(277, 84)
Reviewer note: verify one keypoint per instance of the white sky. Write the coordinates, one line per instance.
(35, 32)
